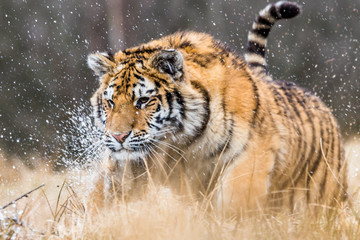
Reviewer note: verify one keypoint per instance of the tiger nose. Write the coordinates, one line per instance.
(120, 137)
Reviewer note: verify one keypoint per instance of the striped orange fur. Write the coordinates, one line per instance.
(187, 111)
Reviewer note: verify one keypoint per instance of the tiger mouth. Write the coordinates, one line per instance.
(131, 149)
(133, 154)
(140, 147)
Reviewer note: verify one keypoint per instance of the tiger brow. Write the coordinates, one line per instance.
(140, 78)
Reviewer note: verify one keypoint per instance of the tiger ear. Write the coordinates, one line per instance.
(101, 63)
(169, 61)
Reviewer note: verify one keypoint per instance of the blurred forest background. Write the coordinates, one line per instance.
(44, 44)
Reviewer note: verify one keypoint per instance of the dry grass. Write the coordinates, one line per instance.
(56, 212)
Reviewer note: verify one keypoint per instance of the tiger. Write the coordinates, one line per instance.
(187, 111)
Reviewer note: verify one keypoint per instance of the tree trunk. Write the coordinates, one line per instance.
(115, 9)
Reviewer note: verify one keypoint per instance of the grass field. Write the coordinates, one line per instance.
(56, 211)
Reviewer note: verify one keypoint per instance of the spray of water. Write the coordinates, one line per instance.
(79, 146)
(81, 141)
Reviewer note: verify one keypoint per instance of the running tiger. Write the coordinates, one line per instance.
(186, 111)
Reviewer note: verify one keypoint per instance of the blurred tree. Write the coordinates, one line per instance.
(115, 10)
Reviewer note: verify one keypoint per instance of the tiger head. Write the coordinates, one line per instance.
(138, 102)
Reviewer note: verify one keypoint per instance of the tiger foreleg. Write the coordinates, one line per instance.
(117, 182)
(242, 188)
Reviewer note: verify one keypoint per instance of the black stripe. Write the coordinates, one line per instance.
(238, 63)
(230, 132)
(157, 84)
(204, 117)
(158, 108)
(337, 137)
(290, 93)
(256, 64)
(99, 100)
(228, 123)
(186, 44)
(340, 152)
(297, 174)
(150, 125)
(151, 103)
(110, 56)
(330, 154)
(274, 13)
(141, 50)
(157, 80)
(328, 145)
(257, 101)
(140, 78)
(225, 145)
(287, 88)
(180, 102)
(200, 63)
(158, 119)
(254, 47)
(264, 21)
(137, 71)
(316, 163)
(287, 120)
(223, 48)
(331, 143)
(299, 154)
(169, 99)
(154, 126)
(305, 158)
(159, 97)
(202, 60)
(223, 98)
(264, 32)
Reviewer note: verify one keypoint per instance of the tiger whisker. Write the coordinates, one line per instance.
(177, 150)
(169, 145)
(164, 151)
(150, 149)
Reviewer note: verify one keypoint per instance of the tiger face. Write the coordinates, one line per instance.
(137, 102)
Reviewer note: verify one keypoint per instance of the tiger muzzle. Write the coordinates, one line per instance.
(121, 137)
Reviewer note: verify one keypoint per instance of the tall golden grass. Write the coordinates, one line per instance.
(57, 211)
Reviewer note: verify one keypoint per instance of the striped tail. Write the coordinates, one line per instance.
(257, 37)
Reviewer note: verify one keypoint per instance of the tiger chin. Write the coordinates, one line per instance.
(187, 111)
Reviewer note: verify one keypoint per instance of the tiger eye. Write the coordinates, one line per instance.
(143, 100)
